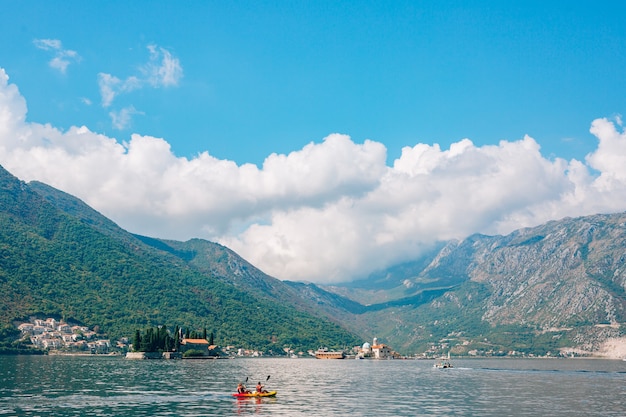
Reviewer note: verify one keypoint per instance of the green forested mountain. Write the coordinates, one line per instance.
(556, 287)
(58, 257)
(225, 265)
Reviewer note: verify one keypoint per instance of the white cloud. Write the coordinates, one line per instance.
(111, 86)
(327, 212)
(610, 156)
(62, 57)
(162, 70)
(48, 44)
(122, 119)
(12, 108)
(428, 195)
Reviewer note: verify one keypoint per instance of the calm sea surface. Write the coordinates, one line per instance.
(112, 386)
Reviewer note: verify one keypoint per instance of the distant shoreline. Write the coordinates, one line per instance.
(60, 353)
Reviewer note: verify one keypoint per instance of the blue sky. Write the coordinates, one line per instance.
(203, 89)
(262, 77)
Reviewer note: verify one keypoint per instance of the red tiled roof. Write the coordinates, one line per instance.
(195, 341)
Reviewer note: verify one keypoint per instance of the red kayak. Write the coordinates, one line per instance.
(255, 394)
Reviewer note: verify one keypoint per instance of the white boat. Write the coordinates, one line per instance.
(443, 363)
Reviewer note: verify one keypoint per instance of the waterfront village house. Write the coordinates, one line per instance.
(26, 328)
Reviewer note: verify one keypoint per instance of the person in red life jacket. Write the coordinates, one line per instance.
(259, 388)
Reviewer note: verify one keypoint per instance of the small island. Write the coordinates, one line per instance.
(159, 343)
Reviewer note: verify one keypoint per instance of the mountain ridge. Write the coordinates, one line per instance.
(554, 288)
(566, 274)
(59, 257)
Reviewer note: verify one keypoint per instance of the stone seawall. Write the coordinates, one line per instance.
(153, 355)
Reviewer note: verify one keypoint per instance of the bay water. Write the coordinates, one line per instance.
(114, 386)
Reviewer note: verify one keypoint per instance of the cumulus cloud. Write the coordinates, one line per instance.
(328, 212)
(62, 57)
(609, 157)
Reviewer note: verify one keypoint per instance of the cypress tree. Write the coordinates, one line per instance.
(153, 340)
(177, 339)
(148, 340)
(163, 336)
(137, 341)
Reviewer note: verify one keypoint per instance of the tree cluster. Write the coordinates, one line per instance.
(160, 339)
(156, 340)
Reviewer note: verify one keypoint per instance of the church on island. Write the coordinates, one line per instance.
(375, 351)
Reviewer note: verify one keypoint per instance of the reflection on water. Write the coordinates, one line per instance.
(106, 386)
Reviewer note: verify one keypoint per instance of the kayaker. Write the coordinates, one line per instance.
(241, 389)
(259, 388)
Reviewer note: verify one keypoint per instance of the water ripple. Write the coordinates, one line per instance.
(78, 386)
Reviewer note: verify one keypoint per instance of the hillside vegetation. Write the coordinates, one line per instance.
(58, 257)
(559, 288)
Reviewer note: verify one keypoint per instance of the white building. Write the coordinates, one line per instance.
(381, 351)
(39, 329)
(26, 328)
(65, 328)
(375, 350)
